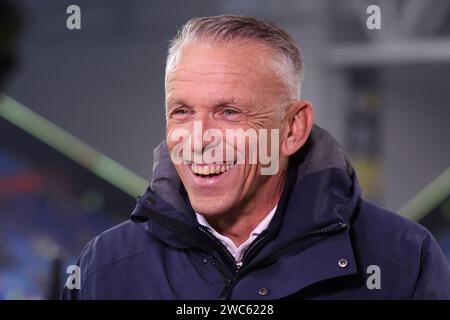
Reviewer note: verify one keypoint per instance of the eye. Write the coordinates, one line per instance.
(230, 112)
(180, 113)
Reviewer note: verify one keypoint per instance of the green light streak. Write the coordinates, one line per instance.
(134, 185)
(428, 198)
(72, 147)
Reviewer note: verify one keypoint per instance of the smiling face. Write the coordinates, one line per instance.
(226, 86)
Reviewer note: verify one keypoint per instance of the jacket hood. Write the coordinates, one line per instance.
(321, 190)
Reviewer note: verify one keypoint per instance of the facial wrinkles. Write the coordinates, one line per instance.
(200, 85)
(236, 84)
(204, 81)
(256, 116)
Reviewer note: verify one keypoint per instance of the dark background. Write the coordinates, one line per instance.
(383, 94)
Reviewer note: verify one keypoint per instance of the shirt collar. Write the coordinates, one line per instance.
(263, 225)
(238, 252)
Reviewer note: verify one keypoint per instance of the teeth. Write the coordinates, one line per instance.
(210, 169)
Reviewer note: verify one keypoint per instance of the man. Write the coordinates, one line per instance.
(217, 224)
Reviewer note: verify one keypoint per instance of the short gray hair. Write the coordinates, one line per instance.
(225, 28)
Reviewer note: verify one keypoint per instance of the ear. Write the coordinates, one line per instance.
(298, 123)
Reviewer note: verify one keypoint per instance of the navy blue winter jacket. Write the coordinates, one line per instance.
(324, 242)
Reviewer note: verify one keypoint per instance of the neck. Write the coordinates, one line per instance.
(238, 223)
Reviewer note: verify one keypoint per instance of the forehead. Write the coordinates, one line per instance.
(245, 54)
(229, 66)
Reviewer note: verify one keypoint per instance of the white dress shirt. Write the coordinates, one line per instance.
(238, 252)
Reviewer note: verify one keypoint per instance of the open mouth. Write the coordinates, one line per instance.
(211, 170)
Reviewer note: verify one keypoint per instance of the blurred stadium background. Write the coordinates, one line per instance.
(83, 110)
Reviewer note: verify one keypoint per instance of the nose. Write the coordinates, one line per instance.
(205, 127)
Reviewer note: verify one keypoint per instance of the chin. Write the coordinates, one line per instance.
(209, 207)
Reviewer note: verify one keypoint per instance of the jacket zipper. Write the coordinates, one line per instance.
(253, 246)
(283, 248)
(273, 255)
(219, 244)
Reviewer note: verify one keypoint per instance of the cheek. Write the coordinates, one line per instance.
(170, 142)
(170, 126)
(175, 133)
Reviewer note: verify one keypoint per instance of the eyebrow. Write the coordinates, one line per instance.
(218, 103)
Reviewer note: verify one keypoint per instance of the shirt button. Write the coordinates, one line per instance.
(263, 291)
(343, 263)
